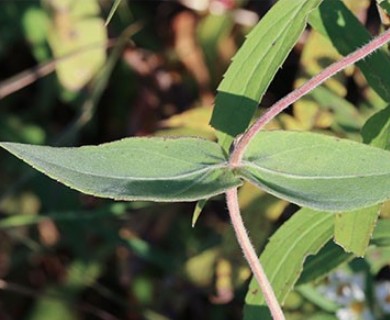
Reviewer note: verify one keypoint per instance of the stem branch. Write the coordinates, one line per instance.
(251, 256)
(310, 85)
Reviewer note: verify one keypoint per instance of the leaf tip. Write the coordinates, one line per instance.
(197, 211)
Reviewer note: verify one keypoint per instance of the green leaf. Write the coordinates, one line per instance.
(332, 255)
(211, 31)
(114, 210)
(197, 211)
(345, 113)
(155, 169)
(381, 236)
(77, 30)
(376, 130)
(317, 171)
(35, 23)
(112, 12)
(302, 235)
(306, 233)
(353, 230)
(384, 4)
(313, 295)
(334, 20)
(327, 259)
(255, 65)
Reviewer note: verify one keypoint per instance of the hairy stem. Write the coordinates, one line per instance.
(251, 256)
(310, 85)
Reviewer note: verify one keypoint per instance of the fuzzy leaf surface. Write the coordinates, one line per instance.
(317, 171)
(353, 230)
(156, 169)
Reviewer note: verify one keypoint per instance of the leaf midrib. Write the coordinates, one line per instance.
(247, 164)
(175, 177)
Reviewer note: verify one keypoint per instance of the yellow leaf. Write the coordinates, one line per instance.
(77, 31)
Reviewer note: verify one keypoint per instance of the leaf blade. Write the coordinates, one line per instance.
(317, 171)
(353, 230)
(154, 169)
(267, 46)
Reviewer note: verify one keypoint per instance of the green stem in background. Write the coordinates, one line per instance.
(238, 152)
(298, 93)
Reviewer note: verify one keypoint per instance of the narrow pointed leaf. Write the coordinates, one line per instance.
(155, 169)
(318, 171)
(255, 65)
(112, 12)
(197, 211)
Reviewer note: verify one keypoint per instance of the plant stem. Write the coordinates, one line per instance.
(251, 256)
(310, 85)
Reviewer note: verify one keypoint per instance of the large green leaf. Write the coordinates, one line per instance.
(154, 169)
(304, 234)
(255, 65)
(317, 171)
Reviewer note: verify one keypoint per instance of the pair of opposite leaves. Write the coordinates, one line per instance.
(311, 170)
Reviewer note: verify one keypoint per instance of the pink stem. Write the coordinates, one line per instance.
(310, 85)
(251, 256)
